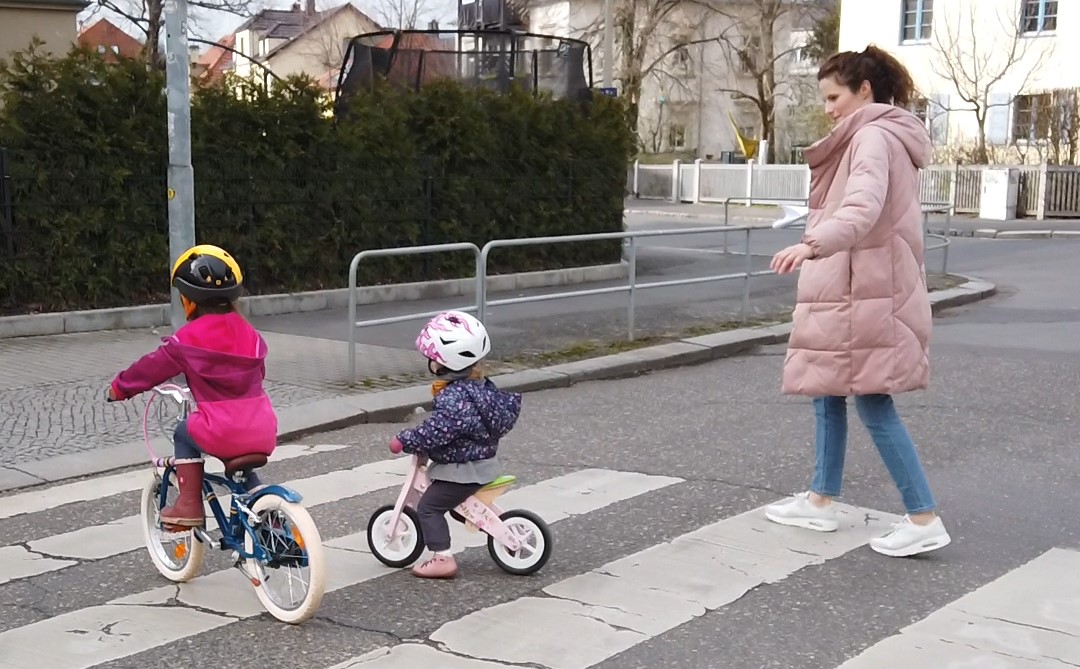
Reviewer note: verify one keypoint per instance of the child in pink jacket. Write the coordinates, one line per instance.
(223, 359)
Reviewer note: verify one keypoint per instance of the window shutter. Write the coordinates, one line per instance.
(997, 119)
(939, 119)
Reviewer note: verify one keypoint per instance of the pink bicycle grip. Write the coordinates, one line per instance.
(396, 446)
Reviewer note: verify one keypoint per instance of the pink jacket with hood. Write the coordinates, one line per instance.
(862, 317)
(223, 359)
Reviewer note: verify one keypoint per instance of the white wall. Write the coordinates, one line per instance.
(685, 94)
(983, 30)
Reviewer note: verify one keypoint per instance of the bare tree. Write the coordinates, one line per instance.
(650, 37)
(976, 63)
(758, 51)
(402, 14)
(149, 15)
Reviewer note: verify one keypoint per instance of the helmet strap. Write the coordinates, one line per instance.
(189, 307)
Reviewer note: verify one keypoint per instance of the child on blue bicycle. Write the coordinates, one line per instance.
(223, 359)
(461, 436)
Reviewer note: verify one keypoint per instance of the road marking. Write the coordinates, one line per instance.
(101, 487)
(1030, 617)
(90, 636)
(593, 616)
(125, 534)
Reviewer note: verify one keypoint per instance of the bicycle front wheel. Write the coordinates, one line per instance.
(293, 578)
(177, 555)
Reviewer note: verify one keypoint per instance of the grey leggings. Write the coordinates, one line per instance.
(440, 497)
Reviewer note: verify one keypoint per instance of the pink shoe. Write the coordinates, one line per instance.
(438, 566)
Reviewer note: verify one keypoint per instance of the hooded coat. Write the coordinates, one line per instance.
(862, 316)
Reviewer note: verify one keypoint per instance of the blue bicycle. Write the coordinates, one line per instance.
(270, 535)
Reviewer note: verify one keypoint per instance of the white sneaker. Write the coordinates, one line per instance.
(906, 538)
(799, 511)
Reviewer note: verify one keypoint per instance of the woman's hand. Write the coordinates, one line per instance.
(790, 258)
(396, 446)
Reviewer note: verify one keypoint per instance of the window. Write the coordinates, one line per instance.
(1031, 117)
(933, 112)
(917, 19)
(921, 108)
(1037, 16)
(749, 55)
(676, 136)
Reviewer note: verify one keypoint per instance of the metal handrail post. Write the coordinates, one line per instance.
(481, 303)
(400, 251)
(481, 285)
(746, 280)
(352, 317)
(631, 306)
(948, 228)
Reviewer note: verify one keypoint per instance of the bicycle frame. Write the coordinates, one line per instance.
(479, 510)
(240, 519)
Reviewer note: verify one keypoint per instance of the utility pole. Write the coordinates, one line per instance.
(181, 178)
(609, 43)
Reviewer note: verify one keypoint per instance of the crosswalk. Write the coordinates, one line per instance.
(632, 563)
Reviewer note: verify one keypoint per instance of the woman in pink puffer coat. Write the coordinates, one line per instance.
(862, 320)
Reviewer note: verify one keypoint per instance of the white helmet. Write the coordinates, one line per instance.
(454, 339)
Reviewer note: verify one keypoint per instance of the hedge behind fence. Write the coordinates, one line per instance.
(291, 192)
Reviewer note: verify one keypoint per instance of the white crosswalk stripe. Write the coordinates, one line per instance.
(113, 484)
(580, 621)
(1030, 617)
(596, 615)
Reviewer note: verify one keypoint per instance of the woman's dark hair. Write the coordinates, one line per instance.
(889, 80)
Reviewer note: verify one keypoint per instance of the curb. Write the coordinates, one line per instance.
(396, 405)
(679, 214)
(992, 233)
(157, 315)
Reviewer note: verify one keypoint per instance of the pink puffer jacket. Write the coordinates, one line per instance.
(862, 317)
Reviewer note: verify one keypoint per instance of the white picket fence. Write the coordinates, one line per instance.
(1046, 191)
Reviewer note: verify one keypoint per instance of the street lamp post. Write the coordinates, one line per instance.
(609, 43)
(181, 178)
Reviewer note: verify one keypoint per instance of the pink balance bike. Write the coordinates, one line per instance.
(519, 541)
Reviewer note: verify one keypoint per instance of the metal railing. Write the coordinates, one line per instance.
(927, 208)
(632, 285)
(630, 288)
(403, 251)
(939, 208)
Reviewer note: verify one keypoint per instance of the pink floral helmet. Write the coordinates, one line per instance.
(455, 340)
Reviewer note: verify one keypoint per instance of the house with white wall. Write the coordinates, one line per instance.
(1017, 59)
(302, 39)
(687, 105)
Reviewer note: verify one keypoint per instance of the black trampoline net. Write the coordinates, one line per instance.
(492, 59)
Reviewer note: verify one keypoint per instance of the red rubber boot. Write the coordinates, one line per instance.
(188, 510)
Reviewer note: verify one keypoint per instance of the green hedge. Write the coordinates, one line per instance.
(291, 191)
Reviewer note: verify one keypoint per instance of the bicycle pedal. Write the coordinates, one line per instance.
(202, 536)
(169, 528)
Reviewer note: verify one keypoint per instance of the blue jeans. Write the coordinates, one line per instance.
(185, 448)
(891, 438)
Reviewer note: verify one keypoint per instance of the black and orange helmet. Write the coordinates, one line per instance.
(207, 274)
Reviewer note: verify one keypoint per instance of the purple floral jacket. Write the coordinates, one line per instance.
(467, 420)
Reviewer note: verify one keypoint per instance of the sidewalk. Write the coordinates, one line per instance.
(960, 225)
